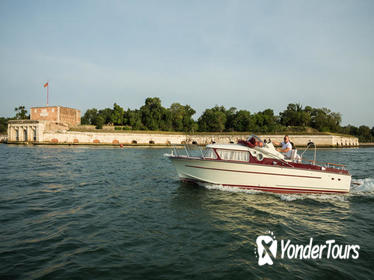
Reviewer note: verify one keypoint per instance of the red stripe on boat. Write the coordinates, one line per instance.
(254, 172)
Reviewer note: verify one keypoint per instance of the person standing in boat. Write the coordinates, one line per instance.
(286, 146)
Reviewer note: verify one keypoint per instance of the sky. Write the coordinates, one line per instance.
(250, 55)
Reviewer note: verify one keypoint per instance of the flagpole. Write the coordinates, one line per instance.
(47, 91)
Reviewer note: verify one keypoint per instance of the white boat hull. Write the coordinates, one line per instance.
(260, 176)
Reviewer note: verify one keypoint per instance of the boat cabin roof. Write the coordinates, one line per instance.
(228, 147)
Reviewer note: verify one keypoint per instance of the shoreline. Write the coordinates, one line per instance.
(367, 145)
(152, 139)
(156, 145)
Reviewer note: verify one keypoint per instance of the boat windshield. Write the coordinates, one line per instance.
(255, 140)
(209, 153)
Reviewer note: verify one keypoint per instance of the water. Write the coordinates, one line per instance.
(108, 213)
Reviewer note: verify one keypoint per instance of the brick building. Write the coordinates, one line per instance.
(69, 116)
(51, 118)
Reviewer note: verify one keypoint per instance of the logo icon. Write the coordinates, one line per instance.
(266, 248)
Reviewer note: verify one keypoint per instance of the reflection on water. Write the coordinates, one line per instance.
(256, 208)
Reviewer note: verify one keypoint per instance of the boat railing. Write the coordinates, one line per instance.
(329, 165)
(324, 164)
(310, 144)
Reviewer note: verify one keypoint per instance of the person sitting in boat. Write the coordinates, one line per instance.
(259, 144)
(286, 146)
(255, 142)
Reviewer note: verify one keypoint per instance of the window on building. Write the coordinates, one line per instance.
(233, 155)
(25, 135)
(17, 135)
(44, 113)
(34, 134)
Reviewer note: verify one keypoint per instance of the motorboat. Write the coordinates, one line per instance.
(256, 164)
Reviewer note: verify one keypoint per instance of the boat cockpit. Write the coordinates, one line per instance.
(268, 148)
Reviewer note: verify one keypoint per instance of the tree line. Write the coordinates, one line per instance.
(153, 116)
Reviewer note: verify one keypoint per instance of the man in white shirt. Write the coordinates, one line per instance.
(286, 146)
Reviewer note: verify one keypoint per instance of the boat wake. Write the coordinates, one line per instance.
(229, 189)
(314, 196)
(360, 187)
(363, 186)
(284, 197)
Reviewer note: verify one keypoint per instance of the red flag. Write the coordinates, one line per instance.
(46, 84)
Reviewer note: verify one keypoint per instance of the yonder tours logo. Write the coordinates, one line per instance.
(267, 247)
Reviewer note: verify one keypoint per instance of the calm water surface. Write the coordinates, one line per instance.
(110, 213)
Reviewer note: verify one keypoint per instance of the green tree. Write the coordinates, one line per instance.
(364, 133)
(90, 116)
(21, 113)
(153, 116)
(319, 119)
(295, 115)
(166, 123)
(325, 120)
(152, 113)
(230, 119)
(334, 121)
(352, 130)
(117, 115)
(3, 125)
(99, 122)
(95, 117)
(133, 118)
(213, 120)
(106, 115)
(243, 121)
(188, 122)
(265, 121)
(181, 117)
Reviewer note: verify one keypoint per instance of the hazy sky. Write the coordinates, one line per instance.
(248, 54)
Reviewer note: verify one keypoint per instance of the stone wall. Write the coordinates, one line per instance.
(128, 138)
(3, 138)
(55, 126)
(88, 127)
(26, 130)
(70, 116)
